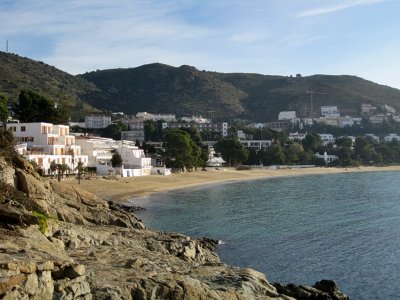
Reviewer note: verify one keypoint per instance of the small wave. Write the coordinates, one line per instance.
(221, 242)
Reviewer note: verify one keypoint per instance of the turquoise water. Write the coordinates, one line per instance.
(344, 227)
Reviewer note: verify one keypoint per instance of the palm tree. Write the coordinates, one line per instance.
(80, 168)
(53, 167)
(61, 169)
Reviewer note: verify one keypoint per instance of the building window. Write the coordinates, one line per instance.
(23, 128)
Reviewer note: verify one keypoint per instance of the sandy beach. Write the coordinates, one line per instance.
(122, 189)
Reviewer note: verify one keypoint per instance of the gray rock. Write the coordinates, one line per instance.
(31, 284)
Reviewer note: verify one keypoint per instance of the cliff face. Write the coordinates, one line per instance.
(59, 242)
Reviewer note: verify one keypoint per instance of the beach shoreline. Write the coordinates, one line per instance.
(122, 190)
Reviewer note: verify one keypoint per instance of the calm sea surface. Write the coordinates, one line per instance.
(344, 227)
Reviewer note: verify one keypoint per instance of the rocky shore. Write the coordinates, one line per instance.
(60, 242)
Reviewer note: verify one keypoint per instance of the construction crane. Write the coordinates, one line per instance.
(312, 98)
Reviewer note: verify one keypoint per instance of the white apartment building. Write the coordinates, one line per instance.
(164, 117)
(345, 121)
(368, 109)
(100, 151)
(134, 158)
(295, 136)
(195, 119)
(156, 117)
(286, 115)
(221, 127)
(330, 111)
(378, 119)
(307, 121)
(97, 122)
(256, 144)
(392, 137)
(327, 138)
(46, 143)
(133, 135)
(396, 119)
(327, 121)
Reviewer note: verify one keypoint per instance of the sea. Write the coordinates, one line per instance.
(302, 229)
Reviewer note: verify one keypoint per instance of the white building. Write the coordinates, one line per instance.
(378, 119)
(327, 138)
(195, 119)
(367, 109)
(327, 121)
(256, 144)
(100, 151)
(357, 121)
(286, 115)
(295, 136)
(47, 143)
(396, 119)
(156, 117)
(345, 121)
(392, 137)
(330, 111)
(388, 109)
(308, 121)
(214, 160)
(97, 122)
(257, 125)
(202, 127)
(133, 135)
(326, 157)
(134, 161)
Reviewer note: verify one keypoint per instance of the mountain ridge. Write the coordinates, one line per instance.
(185, 90)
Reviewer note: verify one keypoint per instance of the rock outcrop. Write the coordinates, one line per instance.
(60, 242)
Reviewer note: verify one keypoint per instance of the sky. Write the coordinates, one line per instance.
(274, 37)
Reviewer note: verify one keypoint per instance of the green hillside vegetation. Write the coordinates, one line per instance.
(186, 90)
(18, 73)
(161, 88)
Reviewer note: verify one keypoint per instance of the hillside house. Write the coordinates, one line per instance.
(327, 138)
(46, 143)
(97, 122)
(100, 151)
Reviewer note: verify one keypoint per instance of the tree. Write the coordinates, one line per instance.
(344, 157)
(113, 131)
(363, 149)
(33, 107)
(180, 150)
(312, 142)
(53, 167)
(7, 144)
(61, 170)
(232, 151)
(153, 130)
(344, 141)
(3, 108)
(294, 153)
(116, 160)
(274, 155)
(80, 168)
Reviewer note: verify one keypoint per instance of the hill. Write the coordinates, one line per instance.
(17, 73)
(186, 90)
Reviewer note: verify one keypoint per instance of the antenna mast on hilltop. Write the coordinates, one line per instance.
(311, 100)
(7, 46)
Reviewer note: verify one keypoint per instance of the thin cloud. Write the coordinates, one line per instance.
(335, 8)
